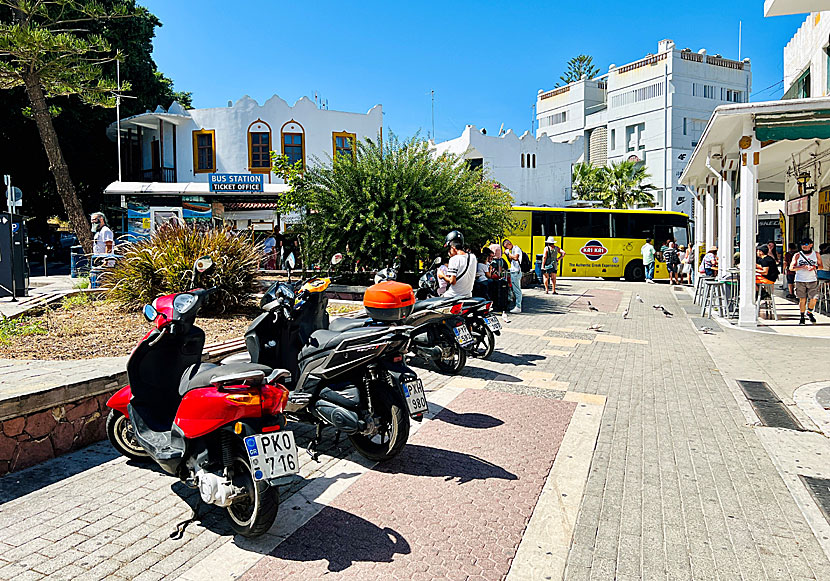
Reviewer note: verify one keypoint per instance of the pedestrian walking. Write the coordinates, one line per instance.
(269, 252)
(550, 264)
(687, 261)
(514, 255)
(672, 259)
(648, 253)
(805, 264)
(104, 240)
(789, 275)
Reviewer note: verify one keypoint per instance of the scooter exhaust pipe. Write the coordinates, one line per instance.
(344, 420)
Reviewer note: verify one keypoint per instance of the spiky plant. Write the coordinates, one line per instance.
(161, 264)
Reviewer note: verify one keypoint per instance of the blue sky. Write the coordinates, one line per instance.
(485, 60)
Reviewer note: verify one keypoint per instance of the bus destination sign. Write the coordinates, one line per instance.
(236, 183)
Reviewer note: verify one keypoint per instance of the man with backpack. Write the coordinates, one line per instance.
(518, 263)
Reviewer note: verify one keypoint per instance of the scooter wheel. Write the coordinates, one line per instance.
(254, 514)
(394, 431)
(485, 340)
(453, 358)
(121, 436)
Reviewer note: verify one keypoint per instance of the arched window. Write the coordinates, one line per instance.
(523, 160)
(259, 147)
(534, 161)
(292, 137)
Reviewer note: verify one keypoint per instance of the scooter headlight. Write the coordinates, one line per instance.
(184, 302)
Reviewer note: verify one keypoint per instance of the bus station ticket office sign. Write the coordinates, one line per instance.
(235, 183)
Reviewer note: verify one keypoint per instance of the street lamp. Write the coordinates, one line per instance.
(803, 180)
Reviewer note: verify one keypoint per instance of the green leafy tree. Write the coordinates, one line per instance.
(57, 62)
(579, 66)
(585, 180)
(396, 200)
(621, 185)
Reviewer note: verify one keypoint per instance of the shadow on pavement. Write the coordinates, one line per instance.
(342, 538)
(469, 420)
(519, 359)
(30, 479)
(418, 460)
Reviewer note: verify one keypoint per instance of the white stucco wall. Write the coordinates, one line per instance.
(231, 132)
(807, 49)
(547, 184)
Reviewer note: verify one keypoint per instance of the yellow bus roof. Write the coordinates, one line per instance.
(644, 211)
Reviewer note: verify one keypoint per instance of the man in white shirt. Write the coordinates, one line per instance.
(461, 271)
(648, 260)
(103, 238)
(514, 255)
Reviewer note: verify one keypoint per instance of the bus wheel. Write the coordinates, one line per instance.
(635, 272)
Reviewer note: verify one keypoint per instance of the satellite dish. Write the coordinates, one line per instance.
(17, 194)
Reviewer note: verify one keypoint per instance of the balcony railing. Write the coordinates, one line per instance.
(165, 175)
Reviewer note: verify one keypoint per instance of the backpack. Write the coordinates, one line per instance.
(525, 263)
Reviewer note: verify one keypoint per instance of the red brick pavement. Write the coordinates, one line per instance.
(453, 505)
(607, 301)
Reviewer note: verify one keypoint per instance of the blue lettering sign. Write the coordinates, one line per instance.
(233, 183)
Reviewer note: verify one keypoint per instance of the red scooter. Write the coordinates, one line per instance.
(219, 429)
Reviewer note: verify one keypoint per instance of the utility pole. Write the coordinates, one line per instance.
(10, 201)
(432, 92)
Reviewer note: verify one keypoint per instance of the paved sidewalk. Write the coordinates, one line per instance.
(682, 484)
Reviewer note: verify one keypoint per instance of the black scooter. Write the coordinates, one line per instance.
(354, 379)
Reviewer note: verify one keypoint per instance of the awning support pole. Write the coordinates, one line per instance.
(749, 160)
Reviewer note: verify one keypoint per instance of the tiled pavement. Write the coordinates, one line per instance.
(679, 487)
(453, 505)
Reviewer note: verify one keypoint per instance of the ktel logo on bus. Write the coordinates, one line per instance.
(593, 250)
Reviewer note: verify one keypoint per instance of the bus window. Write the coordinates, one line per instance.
(638, 226)
(587, 225)
(548, 223)
(672, 228)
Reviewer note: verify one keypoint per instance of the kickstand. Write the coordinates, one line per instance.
(180, 528)
(315, 443)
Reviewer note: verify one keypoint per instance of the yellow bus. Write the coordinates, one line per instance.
(598, 241)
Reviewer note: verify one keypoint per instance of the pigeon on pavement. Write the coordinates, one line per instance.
(592, 307)
(625, 314)
(595, 327)
(640, 299)
(706, 330)
(665, 312)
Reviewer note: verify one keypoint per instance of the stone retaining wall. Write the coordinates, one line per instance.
(50, 423)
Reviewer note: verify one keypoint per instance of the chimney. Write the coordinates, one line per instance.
(665, 45)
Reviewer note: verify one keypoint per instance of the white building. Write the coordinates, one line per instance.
(653, 110)
(168, 156)
(536, 170)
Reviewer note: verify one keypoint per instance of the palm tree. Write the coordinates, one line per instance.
(625, 187)
(583, 180)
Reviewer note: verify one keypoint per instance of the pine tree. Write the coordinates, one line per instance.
(579, 66)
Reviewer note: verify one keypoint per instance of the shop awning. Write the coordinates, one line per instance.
(184, 189)
(236, 206)
(793, 126)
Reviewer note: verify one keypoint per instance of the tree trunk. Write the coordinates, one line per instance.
(57, 164)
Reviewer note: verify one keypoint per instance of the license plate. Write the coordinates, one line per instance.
(463, 335)
(272, 455)
(493, 322)
(416, 401)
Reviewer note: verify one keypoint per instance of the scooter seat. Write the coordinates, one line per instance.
(202, 375)
(323, 340)
(342, 324)
(432, 303)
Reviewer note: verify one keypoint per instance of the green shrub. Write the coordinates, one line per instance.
(81, 283)
(161, 264)
(20, 327)
(76, 300)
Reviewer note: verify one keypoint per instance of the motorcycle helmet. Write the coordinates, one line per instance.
(454, 236)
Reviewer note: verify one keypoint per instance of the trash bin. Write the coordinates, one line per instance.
(539, 268)
(78, 262)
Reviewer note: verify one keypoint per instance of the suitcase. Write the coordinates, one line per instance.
(500, 294)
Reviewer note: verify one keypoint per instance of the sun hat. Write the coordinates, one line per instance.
(550, 240)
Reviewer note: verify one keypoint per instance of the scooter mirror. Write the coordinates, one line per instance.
(203, 264)
(437, 261)
(336, 259)
(150, 313)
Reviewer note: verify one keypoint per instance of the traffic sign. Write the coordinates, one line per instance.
(15, 227)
